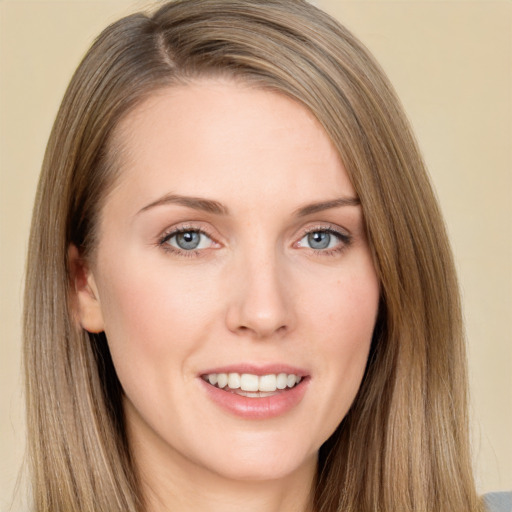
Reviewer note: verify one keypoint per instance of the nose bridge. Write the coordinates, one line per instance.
(260, 304)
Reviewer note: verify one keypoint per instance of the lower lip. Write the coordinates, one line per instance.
(258, 408)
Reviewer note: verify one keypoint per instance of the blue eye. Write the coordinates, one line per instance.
(322, 239)
(319, 239)
(189, 240)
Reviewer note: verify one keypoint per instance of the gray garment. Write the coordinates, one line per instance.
(498, 501)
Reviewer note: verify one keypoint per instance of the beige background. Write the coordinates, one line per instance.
(451, 62)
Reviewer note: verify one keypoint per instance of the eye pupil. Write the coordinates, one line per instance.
(319, 239)
(188, 240)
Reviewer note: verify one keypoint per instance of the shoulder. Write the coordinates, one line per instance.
(498, 501)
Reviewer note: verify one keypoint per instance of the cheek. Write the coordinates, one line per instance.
(345, 307)
(154, 317)
(348, 334)
(355, 321)
(343, 317)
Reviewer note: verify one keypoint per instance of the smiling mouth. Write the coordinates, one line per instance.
(251, 385)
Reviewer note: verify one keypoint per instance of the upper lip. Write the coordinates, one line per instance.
(255, 369)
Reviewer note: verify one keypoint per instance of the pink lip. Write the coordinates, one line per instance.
(259, 408)
(266, 369)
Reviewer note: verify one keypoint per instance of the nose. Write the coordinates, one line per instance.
(260, 304)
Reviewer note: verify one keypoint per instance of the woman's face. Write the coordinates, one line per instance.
(231, 253)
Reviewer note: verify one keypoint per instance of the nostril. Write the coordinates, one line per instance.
(260, 331)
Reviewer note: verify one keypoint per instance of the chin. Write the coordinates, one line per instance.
(255, 463)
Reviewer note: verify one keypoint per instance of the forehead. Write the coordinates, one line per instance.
(215, 137)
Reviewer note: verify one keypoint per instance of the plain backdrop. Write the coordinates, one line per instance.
(451, 63)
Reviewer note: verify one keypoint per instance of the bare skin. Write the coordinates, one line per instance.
(233, 242)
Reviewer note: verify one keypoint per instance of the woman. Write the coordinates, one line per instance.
(240, 292)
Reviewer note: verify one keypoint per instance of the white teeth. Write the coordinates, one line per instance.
(282, 380)
(249, 382)
(234, 381)
(292, 379)
(222, 380)
(268, 383)
(253, 383)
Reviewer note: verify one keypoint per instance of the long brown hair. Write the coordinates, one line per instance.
(403, 446)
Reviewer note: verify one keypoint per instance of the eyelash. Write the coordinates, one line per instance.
(164, 239)
(344, 238)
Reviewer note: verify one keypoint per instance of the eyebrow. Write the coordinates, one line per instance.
(327, 205)
(197, 203)
(211, 206)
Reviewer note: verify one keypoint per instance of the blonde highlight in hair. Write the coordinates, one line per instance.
(403, 446)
